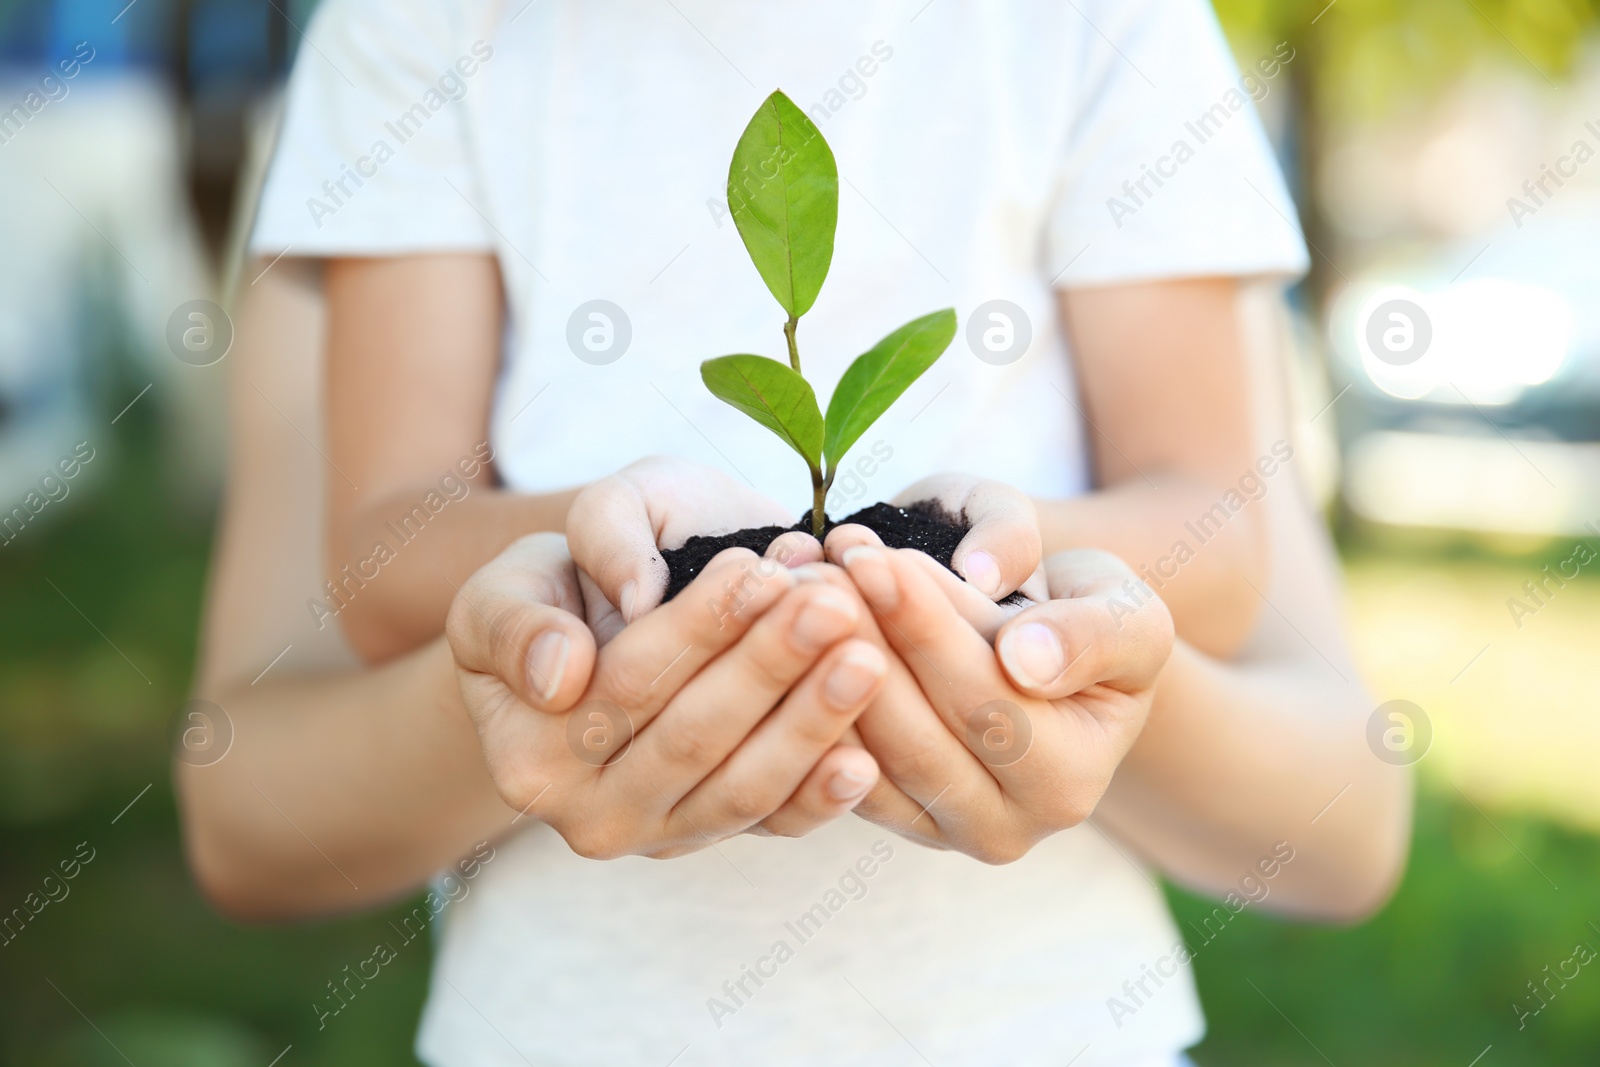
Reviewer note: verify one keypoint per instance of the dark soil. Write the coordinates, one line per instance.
(925, 525)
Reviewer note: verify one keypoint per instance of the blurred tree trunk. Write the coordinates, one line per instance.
(1305, 79)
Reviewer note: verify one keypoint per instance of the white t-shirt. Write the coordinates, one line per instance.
(986, 153)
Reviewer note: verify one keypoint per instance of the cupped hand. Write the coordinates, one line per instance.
(988, 750)
(1001, 551)
(719, 713)
(615, 524)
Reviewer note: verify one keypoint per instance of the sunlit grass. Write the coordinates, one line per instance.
(1513, 708)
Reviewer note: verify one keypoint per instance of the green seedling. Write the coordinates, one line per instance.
(783, 193)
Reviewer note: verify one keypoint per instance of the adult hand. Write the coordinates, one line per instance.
(716, 714)
(615, 524)
(990, 750)
(1000, 553)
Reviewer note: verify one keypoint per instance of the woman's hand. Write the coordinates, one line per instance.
(615, 524)
(718, 713)
(988, 750)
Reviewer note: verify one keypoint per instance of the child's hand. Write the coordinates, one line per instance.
(692, 725)
(1000, 553)
(990, 752)
(615, 525)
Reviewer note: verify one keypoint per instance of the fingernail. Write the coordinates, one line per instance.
(873, 576)
(828, 617)
(846, 786)
(1032, 655)
(790, 549)
(854, 676)
(982, 572)
(630, 593)
(547, 662)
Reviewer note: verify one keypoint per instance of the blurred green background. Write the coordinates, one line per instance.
(101, 595)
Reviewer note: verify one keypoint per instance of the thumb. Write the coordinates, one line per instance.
(507, 621)
(1001, 551)
(613, 540)
(1112, 631)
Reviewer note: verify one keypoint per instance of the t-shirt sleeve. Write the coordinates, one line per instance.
(372, 157)
(1165, 169)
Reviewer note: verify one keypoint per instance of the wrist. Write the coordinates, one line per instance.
(434, 676)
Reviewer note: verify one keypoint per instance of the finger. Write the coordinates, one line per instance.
(1087, 572)
(927, 770)
(515, 619)
(1065, 646)
(922, 760)
(1037, 587)
(795, 549)
(604, 620)
(721, 704)
(645, 665)
(842, 539)
(615, 524)
(930, 775)
(772, 762)
(900, 727)
(840, 782)
(1002, 549)
(974, 606)
(888, 806)
(613, 538)
(943, 789)
(976, 609)
(951, 661)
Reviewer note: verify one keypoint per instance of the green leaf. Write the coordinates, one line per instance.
(773, 395)
(783, 192)
(878, 377)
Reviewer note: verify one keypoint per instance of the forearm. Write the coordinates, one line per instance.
(413, 345)
(1200, 561)
(1237, 758)
(340, 791)
(396, 564)
(1271, 746)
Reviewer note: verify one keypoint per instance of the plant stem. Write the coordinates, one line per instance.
(819, 488)
(788, 335)
(819, 493)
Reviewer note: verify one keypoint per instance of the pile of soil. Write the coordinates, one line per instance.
(925, 525)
